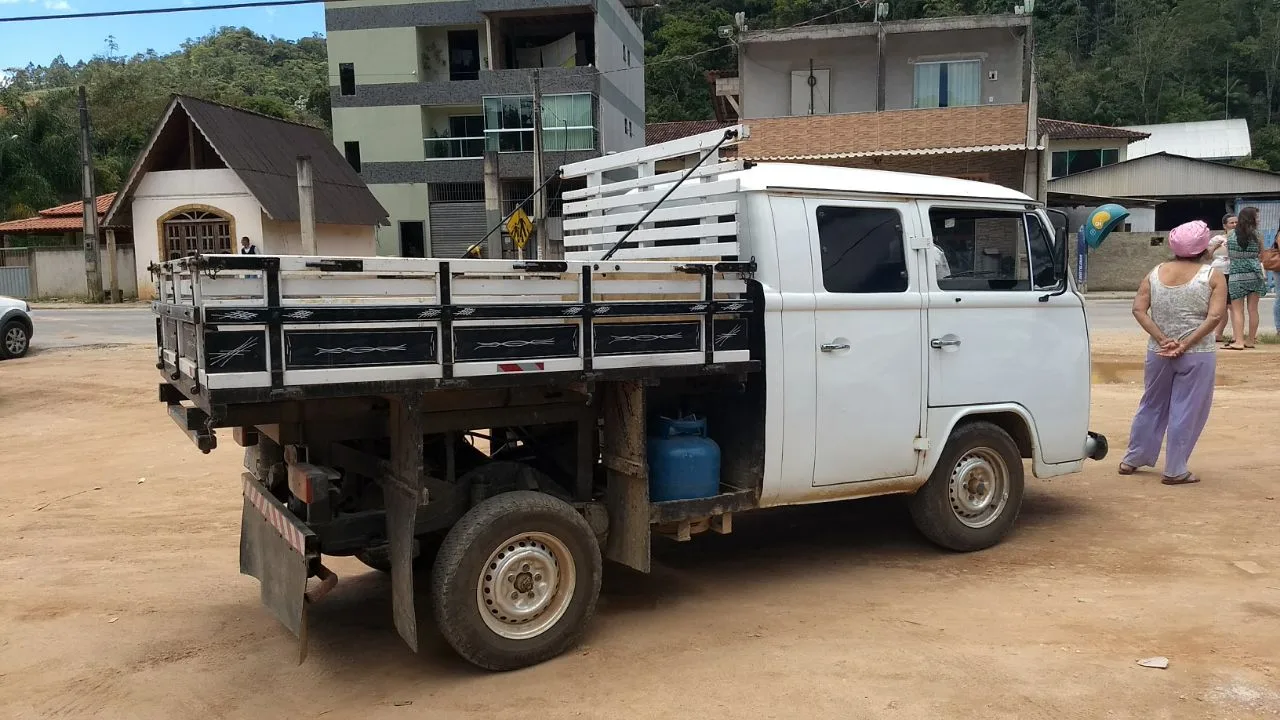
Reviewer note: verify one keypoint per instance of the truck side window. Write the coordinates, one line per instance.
(1045, 272)
(862, 250)
(985, 249)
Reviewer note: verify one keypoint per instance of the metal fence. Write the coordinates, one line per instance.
(15, 272)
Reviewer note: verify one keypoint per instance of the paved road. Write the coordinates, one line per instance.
(70, 328)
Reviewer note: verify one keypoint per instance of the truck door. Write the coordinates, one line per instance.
(869, 324)
(997, 334)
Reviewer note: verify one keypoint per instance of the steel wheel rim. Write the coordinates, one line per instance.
(15, 341)
(526, 585)
(979, 487)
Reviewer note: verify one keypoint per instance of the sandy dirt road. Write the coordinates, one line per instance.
(120, 598)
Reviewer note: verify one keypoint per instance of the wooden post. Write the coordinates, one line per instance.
(92, 272)
(307, 205)
(113, 270)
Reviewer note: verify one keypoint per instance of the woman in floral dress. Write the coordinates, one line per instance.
(1246, 282)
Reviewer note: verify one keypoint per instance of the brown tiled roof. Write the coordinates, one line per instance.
(655, 133)
(1066, 130)
(62, 219)
(77, 208)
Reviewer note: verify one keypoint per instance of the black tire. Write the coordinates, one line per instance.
(460, 579)
(937, 508)
(13, 333)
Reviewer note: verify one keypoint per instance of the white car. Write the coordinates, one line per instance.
(16, 328)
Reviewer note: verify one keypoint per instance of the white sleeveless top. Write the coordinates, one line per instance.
(1179, 309)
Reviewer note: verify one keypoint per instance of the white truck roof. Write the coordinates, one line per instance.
(773, 176)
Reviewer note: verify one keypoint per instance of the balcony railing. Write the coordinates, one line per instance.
(554, 139)
(452, 148)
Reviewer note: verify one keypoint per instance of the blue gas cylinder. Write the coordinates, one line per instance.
(684, 463)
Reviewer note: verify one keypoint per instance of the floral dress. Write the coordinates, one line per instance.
(1245, 276)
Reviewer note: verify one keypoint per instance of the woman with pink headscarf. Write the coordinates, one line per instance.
(1179, 304)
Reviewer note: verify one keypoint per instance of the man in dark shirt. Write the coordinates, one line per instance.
(247, 248)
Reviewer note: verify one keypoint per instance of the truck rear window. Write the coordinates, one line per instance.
(862, 250)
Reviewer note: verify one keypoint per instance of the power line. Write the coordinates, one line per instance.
(165, 10)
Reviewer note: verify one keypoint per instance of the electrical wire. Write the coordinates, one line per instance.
(164, 10)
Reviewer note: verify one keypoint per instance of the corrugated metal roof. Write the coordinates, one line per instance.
(1066, 130)
(263, 152)
(1208, 140)
(891, 153)
(1165, 175)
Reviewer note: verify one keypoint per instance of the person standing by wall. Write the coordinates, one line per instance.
(1179, 304)
(1247, 283)
(247, 247)
(1222, 263)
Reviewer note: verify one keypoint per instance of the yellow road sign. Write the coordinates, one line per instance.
(520, 227)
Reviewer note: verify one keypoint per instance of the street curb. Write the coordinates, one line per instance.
(89, 306)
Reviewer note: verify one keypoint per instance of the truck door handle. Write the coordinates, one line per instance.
(832, 347)
(939, 343)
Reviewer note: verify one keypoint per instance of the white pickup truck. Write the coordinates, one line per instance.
(841, 334)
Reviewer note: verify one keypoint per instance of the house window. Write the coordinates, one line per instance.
(352, 150)
(464, 55)
(948, 84)
(862, 250)
(463, 139)
(197, 232)
(567, 123)
(1069, 162)
(347, 78)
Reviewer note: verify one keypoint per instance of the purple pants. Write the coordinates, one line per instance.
(1177, 398)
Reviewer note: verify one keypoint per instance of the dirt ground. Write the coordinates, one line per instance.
(120, 598)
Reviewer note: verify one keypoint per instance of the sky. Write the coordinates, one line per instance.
(43, 40)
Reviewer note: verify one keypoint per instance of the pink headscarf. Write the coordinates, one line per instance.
(1188, 240)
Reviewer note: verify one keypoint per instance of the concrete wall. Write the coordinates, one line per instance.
(58, 272)
(766, 74)
(1123, 260)
(382, 56)
(999, 50)
(391, 133)
(161, 193)
(620, 117)
(766, 68)
(285, 238)
(404, 202)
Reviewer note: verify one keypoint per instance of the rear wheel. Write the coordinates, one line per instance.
(973, 496)
(516, 581)
(15, 340)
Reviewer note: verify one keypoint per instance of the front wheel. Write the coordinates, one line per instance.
(14, 340)
(974, 493)
(516, 581)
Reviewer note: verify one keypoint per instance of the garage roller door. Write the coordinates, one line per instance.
(456, 226)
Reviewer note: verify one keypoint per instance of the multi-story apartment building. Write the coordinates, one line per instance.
(424, 89)
(945, 96)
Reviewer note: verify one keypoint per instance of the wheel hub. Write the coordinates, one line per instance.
(526, 586)
(15, 341)
(979, 487)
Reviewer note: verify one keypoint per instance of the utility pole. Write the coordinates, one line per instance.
(307, 205)
(540, 199)
(92, 259)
